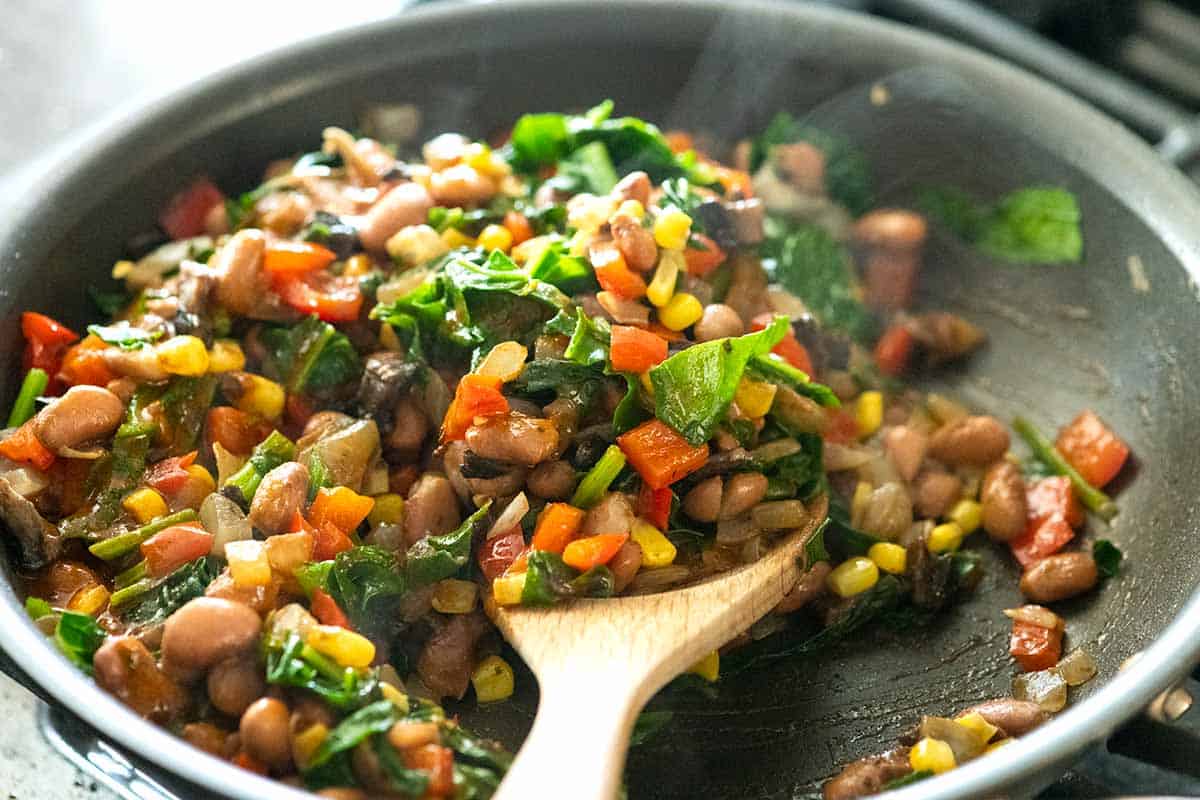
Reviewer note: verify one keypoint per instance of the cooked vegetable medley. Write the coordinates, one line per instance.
(327, 423)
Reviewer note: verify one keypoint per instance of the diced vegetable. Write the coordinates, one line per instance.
(889, 557)
(170, 474)
(708, 668)
(1092, 449)
(672, 228)
(173, 547)
(593, 551)
(249, 565)
(680, 312)
(1077, 667)
(476, 396)
(868, 413)
(145, 505)
(931, 755)
(183, 355)
(967, 514)
(614, 274)
(1053, 496)
(268, 454)
(343, 508)
(185, 213)
(893, 350)
(703, 255)
(556, 527)
(327, 611)
(945, 538)
(789, 347)
(125, 543)
(345, 647)
(287, 552)
(1046, 688)
(452, 596)
(23, 445)
(1045, 452)
(332, 298)
(1035, 647)
(499, 552)
(35, 383)
(654, 505)
(595, 484)
(660, 455)
(635, 350)
(493, 680)
(508, 590)
(853, 577)
(283, 257)
(657, 549)
(1043, 537)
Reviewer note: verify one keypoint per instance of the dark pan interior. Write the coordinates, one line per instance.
(1062, 338)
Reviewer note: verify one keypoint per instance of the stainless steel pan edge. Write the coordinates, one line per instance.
(1073, 131)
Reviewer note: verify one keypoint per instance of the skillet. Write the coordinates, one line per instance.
(1061, 338)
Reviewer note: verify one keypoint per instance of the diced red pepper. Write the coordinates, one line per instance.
(438, 763)
(613, 273)
(290, 257)
(1092, 449)
(341, 507)
(842, 427)
(556, 527)
(1054, 495)
(700, 262)
(518, 225)
(185, 214)
(237, 431)
(1034, 647)
(84, 365)
(327, 611)
(24, 446)
(654, 506)
(1043, 536)
(45, 342)
(328, 540)
(170, 475)
(593, 551)
(789, 347)
(660, 455)
(635, 350)
(499, 552)
(333, 298)
(893, 350)
(173, 547)
(475, 396)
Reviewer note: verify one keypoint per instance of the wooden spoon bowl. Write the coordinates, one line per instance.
(598, 662)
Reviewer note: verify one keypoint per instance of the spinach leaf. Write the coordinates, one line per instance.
(841, 538)
(78, 636)
(111, 477)
(478, 751)
(172, 592)
(648, 725)
(538, 139)
(588, 169)
(589, 341)
(776, 370)
(124, 335)
(847, 173)
(310, 356)
(1108, 558)
(569, 273)
(810, 264)
(907, 780)
(629, 413)
(408, 782)
(437, 557)
(565, 379)
(109, 303)
(378, 717)
(693, 388)
(185, 405)
(814, 548)
(549, 580)
(1038, 225)
(291, 662)
(37, 608)
(474, 783)
(366, 582)
(801, 474)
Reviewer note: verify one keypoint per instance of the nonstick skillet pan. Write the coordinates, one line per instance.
(1062, 338)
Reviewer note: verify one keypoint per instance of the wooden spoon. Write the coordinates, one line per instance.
(598, 662)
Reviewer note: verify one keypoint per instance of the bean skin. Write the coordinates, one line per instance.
(264, 732)
(514, 438)
(934, 492)
(281, 494)
(634, 186)
(636, 243)
(552, 480)
(460, 185)
(892, 228)
(1059, 576)
(906, 448)
(82, 414)
(241, 283)
(126, 669)
(625, 564)
(431, 510)
(1014, 717)
(718, 322)
(742, 492)
(208, 630)
(975, 441)
(407, 204)
(867, 776)
(1002, 497)
(234, 684)
(703, 503)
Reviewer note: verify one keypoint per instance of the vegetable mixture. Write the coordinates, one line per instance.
(326, 423)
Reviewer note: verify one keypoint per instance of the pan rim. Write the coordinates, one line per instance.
(1172, 209)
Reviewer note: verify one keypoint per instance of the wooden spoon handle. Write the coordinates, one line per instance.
(577, 745)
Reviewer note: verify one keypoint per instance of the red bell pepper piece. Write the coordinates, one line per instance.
(660, 455)
(635, 350)
(327, 611)
(789, 347)
(289, 257)
(333, 298)
(328, 541)
(701, 262)
(1043, 536)
(475, 396)
(893, 350)
(169, 475)
(24, 446)
(341, 507)
(592, 551)
(45, 342)
(1034, 647)
(498, 553)
(556, 527)
(1054, 495)
(84, 365)
(185, 214)
(1092, 449)
(173, 547)
(654, 506)
(438, 763)
(613, 273)
(842, 427)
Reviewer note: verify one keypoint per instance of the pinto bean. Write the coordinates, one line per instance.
(748, 217)
(1014, 717)
(625, 565)
(259, 598)
(207, 737)
(406, 734)
(234, 684)
(906, 448)
(241, 283)
(281, 494)
(634, 186)
(703, 502)
(613, 514)
(141, 364)
(867, 776)
(460, 185)
(893, 228)
(1059, 576)
(431, 509)
(934, 492)
(284, 212)
(409, 428)
(552, 480)
(889, 512)
(208, 630)
(515, 438)
(407, 204)
(718, 322)
(636, 243)
(976, 441)
(448, 657)
(742, 492)
(126, 670)
(808, 588)
(82, 414)
(1002, 497)
(342, 793)
(264, 732)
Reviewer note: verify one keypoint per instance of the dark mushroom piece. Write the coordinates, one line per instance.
(386, 377)
(38, 542)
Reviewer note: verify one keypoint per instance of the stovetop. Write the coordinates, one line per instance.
(68, 62)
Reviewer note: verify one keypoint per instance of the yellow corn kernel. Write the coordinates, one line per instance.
(868, 412)
(145, 504)
(860, 500)
(493, 680)
(495, 237)
(682, 311)
(931, 755)
(183, 355)
(90, 600)
(453, 596)
(891, 558)
(507, 589)
(226, 356)
(945, 538)
(262, 397)
(347, 648)
(657, 550)
(388, 510)
(504, 361)
(998, 744)
(394, 696)
(708, 667)
(978, 725)
(853, 576)
(754, 398)
(481, 158)
(306, 742)
(121, 270)
(967, 514)
(662, 285)
(202, 476)
(358, 265)
(632, 208)
(672, 228)
(249, 564)
(453, 239)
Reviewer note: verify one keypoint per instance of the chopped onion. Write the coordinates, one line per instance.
(773, 451)
(879, 470)
(152, 268)
(736, 530)
(504, 361)
(376, 480)
(1036, 615)
(778, 515)
(512, 516)
(221, 517)
(25, 481)
(227, 463)
(965, 743)
(654, 580)
(1077, 667)
(839, 457)
(292, 618)
(625, 312)
(888, 512)
(401, 285)
(1046, 688)
(287, 552)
